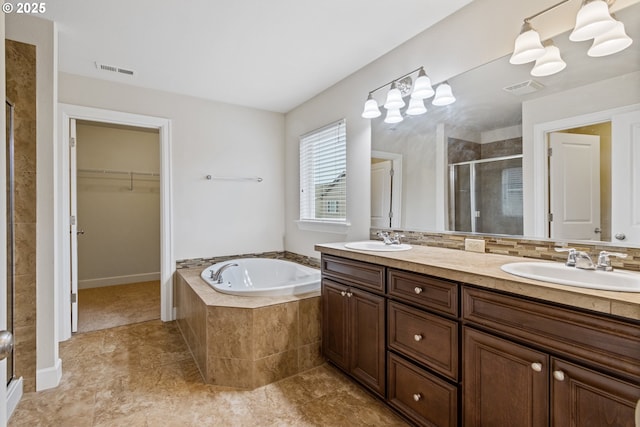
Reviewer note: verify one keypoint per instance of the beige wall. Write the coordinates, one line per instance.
(210, 218)
(121, 221)
(480, 32)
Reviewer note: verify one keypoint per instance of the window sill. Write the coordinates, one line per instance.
(324, 226)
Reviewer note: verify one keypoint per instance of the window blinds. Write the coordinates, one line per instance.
(323, 180)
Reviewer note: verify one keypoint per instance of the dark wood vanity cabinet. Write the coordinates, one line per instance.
(445, 354)
(353, 326)
(517, 371)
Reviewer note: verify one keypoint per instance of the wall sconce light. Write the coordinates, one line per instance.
(403, 86)
(593, 21)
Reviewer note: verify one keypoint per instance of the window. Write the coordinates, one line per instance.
(323, 174)
(512, 192)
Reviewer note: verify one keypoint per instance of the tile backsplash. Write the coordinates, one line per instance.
(527, 248)
(289, 256)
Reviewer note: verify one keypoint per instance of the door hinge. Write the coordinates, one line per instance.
(72, 142)
(390, 214)
(549, 151)
(550, 217)
(392, 172)
(72, 220)
(74, 298)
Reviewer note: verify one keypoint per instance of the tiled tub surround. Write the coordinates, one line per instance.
(247, 342)
(289, 256)
(484, 270)
(517, 247)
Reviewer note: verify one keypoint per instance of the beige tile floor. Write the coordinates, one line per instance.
(144, 375)
(110, 306)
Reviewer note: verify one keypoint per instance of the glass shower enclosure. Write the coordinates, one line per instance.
(10, 188)
(485, 196)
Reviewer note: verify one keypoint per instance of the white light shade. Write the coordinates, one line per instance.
(422, 87)
(444, 95)
(416, 107)
(393, 116)
(528, 46)
(371, 110)
(394, 98)
(593, 19)
(613, 41)
(549, 63)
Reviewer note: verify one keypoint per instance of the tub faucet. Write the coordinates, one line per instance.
(216, 276)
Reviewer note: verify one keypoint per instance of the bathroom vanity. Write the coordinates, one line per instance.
(446, 338)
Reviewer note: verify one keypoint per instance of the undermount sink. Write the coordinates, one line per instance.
(374, 245)
(625, 281)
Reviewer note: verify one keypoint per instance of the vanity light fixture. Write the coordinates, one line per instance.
(444, 95)
(403, 86)
(613, 41)
(593, 21)
(393, 116)
(549, 63)
(371, 109)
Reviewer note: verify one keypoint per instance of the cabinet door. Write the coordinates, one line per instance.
(584, 398)
(367, 339)
(504, 384)
(335, 320)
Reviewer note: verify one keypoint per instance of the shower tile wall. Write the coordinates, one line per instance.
(21, 90)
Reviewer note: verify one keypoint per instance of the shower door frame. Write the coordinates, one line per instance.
(472, 187)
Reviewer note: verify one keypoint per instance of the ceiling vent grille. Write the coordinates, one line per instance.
(524, 88)
(114, 69)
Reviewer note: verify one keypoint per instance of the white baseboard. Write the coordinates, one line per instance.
(117, 280)
(49, 377)
(14, 394)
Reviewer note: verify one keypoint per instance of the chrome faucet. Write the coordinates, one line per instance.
(571, 256)
(604, 263)
(216, 276)
(583, 261)
(388, 240)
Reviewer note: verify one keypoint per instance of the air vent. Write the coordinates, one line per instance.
(524, 88)
(114, 69)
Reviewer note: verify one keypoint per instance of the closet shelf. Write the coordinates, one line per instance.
(129, 175)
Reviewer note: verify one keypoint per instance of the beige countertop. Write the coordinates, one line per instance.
(483, 270)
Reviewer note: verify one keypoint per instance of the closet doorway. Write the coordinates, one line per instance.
(117, 184)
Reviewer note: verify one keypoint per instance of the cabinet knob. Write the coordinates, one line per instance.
(417, 397)
(349, 294)
(418, 337)
(558, 375)
(417, 290)
(343, 293)
(536, 366)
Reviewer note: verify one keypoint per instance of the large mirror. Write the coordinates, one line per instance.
(542, 157)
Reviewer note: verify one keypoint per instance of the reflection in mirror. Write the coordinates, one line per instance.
(480, 164)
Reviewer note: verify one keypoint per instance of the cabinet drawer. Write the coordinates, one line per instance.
(424, 398)
(425, 338)
(369, 276)
(436, 294)
(604, 341)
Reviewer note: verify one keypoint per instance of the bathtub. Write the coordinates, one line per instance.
(263, 277)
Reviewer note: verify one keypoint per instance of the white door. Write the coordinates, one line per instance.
(381, 179)
(625, 178)
(73, 233)
(574, 195)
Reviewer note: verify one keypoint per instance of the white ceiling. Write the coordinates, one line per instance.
(271, 55)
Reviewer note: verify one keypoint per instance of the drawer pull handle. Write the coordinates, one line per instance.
(349, 294)
(558, 375)
(536, 366)
(343, 293)
(417, 290)
(417, 397)
(418, 337)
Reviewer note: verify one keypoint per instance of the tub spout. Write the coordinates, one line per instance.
(216, 276)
